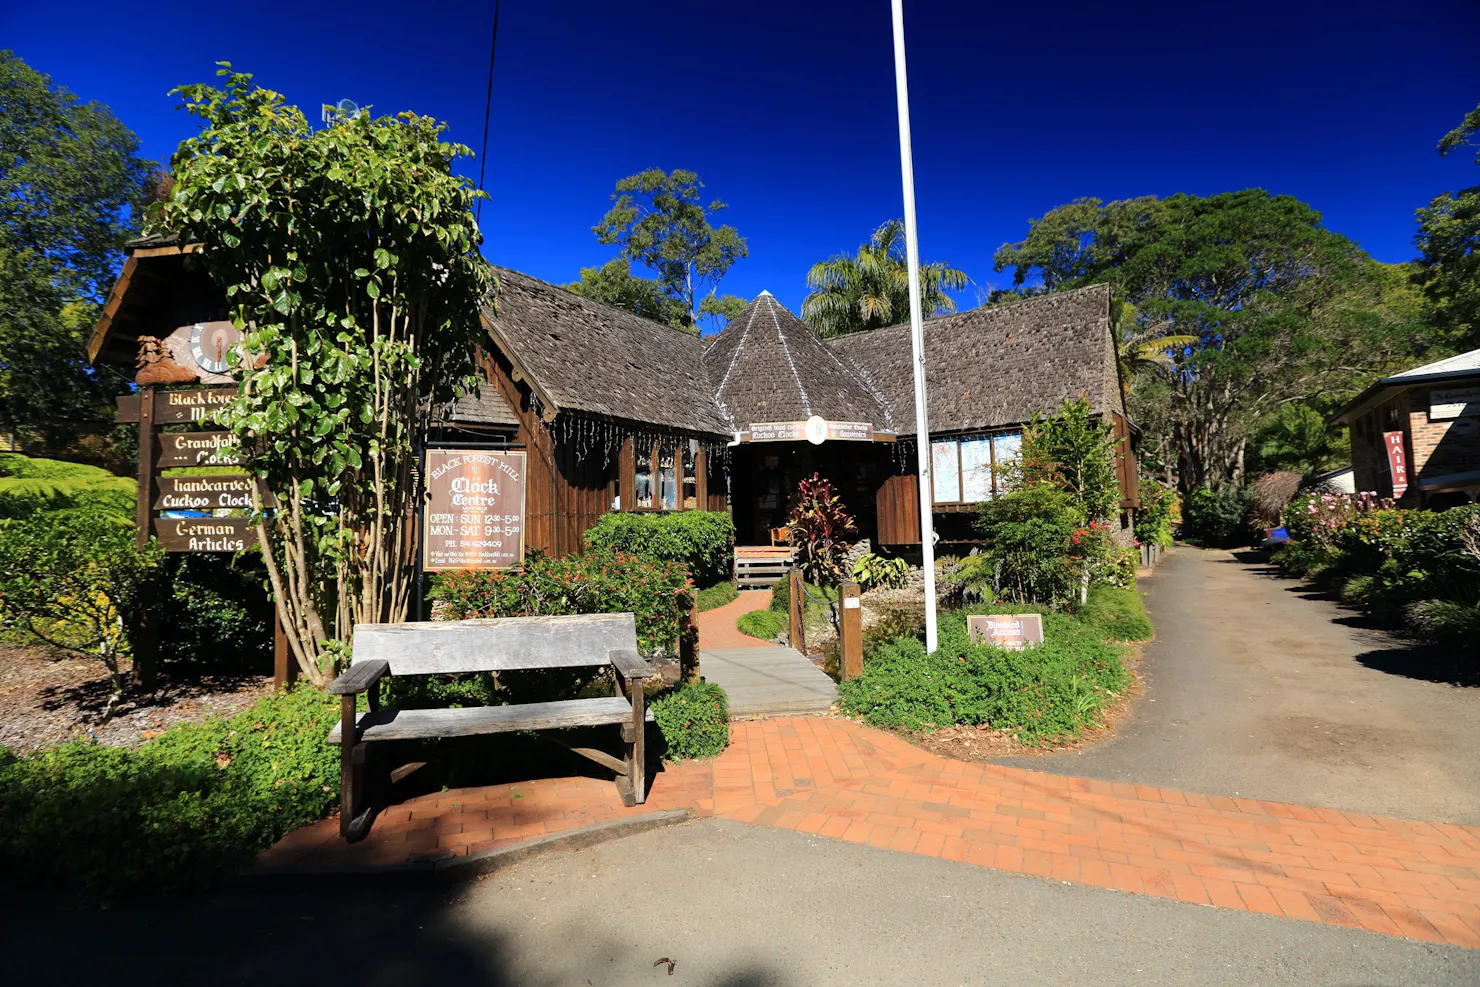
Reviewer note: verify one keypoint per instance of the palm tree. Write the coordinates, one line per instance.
(1139, 348)
(852, 294)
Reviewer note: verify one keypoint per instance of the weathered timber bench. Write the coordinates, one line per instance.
(499, 645)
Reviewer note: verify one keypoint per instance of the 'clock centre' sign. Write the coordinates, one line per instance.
(474, 509)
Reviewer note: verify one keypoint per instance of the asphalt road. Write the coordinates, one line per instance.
(1257, 686)
(731, 905)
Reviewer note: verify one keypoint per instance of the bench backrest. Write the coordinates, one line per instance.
(496, 645)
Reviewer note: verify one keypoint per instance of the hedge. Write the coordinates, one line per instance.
(702, 541)
(177, 811)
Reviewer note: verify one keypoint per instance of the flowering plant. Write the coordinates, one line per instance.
(1321, 518)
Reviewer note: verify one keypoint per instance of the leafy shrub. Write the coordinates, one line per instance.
(1096, 557)
(879, 572)
(703, 541)
(1217, 518)
(26, 497)
(176, 811)
(1041, 693)
(1029, 535)
(1154, 516)
(596, 582)
(1118, 613)
(762, 624)
(716, 596)
(1319, 518)
(820, 528)
(15, 464)
(694, 720)
(1446, 621)
(1075, 451)
(214, 611)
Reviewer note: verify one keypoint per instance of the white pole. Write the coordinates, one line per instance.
(917, 329)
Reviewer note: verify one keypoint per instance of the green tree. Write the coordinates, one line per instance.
(1140, 347)
(614, 284)
(70, 182)
(1074, 451)
(871, 289)
(1448, 242)
(350, 256)
(659, 220)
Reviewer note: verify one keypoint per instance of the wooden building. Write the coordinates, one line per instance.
(618, 412)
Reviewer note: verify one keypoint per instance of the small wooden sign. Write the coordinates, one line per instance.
(205, 534)
(815, 430)
(474, 509)
(1012, 631)
(207, 493)
(177, 407)
(198, 449)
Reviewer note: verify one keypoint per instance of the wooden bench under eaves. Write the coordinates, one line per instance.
(498, 645)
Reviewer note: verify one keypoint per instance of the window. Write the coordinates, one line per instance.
(973, 468)
(665, 475)
(690, 493)
(642, 496)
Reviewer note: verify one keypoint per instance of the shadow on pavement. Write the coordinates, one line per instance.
(1426, 662)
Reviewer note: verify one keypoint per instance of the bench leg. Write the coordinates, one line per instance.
(354, 812)
(637, 752)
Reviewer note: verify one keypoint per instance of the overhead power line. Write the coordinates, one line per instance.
(487, 110)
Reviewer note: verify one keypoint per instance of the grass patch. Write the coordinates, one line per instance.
(1119, 614)
(762, 624)
(714, 597)
(1040, 694)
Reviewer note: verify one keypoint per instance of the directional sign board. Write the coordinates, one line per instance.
(205, 534)
(198, 449)
(474, 509)
(206, 493)
(177, 407)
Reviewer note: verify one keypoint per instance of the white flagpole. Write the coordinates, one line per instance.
(917, 329)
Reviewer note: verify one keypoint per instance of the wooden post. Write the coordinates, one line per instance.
(284, 668)
(796, 633)
(688, 638)
(850, 631)
(146, 643)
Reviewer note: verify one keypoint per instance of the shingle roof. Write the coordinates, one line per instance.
(486, 406)
(999, 364)
(768, 366)
(588, 357)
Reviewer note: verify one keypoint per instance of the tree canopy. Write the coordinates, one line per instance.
(614, 284)
(70, 187)
(1448, 241)
(350, 257)
(1276, 309)
(659, 220)
(871, 289)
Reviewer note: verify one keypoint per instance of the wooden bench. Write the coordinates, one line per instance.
(499, 645)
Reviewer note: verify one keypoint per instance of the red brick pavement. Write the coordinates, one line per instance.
(717, 627)
(836, 779)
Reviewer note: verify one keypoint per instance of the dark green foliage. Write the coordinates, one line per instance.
(1119, 614)
(614, 284)
(1075, 451)
(25, 497)
(871, 289)
(1448, 241)
(1216, 518)
(1029, 534)
(716, 596)
(702, 541)
(177, 811)
(596, 582)
(695, 721)
(762, 624)
(874, 571)
(215, 612)
(1050, 691)
(14, 464)
(1154, 516)
(781, 595)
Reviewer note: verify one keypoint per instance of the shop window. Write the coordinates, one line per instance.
(667, 478)
(643, 494)
(690, 494)
(973, 468)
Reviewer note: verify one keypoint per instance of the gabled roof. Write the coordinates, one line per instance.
(999, 364)
(581, 355)
(1454, 368)
(768, 366)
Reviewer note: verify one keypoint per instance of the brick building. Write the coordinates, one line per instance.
(1434, 412)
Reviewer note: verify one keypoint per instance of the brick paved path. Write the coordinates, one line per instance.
(717, 627)
(837, 779)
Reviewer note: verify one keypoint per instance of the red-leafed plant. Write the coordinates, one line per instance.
(820, 529)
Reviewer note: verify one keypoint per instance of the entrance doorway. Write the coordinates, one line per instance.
(764, 478)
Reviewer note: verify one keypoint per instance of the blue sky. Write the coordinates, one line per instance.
(786, 110)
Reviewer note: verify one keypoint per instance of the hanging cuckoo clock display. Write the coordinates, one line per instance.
(205, 352)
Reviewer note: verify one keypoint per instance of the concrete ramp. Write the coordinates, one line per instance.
(768, 680)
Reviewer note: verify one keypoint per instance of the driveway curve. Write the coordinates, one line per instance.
(1256, 686)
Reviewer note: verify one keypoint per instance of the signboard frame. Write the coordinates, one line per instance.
(835, 431)
(983, 629)
(1449, 403)
(426, 511)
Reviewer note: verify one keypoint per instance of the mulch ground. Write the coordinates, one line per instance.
(45, 702)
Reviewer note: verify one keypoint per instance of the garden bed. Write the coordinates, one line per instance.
(45, 702)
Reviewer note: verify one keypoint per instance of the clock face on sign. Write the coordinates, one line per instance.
(212, 345)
